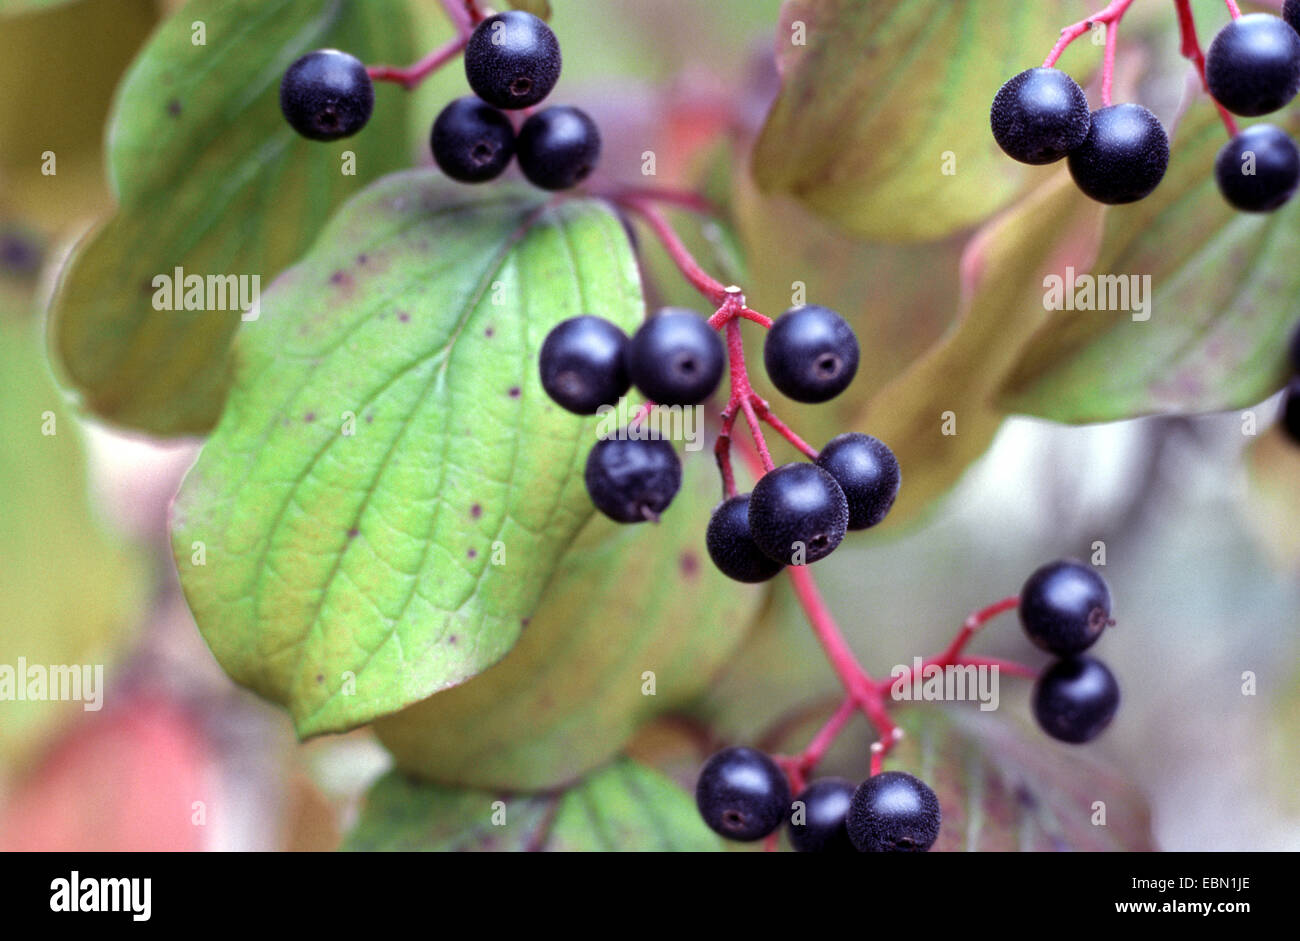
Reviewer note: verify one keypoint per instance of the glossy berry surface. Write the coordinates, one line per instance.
(633, 480)
(676, 358)
(1039, 116)
(512, 60)
(471, 141)
(824, 826)
(1124, 157)
(582, 364)
(1064, 607)
(811, 354)
(1259, 169)
(1290, 416)
(558, 147)
(742, 794)
(894, 812)
(1253, 65)
(867, 472)
(327, 95)
(798, 514)
(1075, 699)
(732, 548)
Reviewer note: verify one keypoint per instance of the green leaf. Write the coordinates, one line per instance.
(621, 807)
(389, 488)
(628, 605)
(1221, 286)
(210, 178)
(941, 414)
(881, 93)
(69, 593)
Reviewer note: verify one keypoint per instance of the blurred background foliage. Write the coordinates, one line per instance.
(941, 277)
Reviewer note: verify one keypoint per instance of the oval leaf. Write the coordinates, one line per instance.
(211, 182)
(622, 807)
(882, 121)
(628, 606)
(390, 489)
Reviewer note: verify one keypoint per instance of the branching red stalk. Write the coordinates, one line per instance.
(411, 76)
(1112, 14)
(1191, 49)
(862, 693)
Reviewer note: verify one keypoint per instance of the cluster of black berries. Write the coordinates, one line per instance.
(1290, 416)
(587, 363)
(1119, 154)
(800, 512)
(512, 61)
(1064, 607)
(744, 796)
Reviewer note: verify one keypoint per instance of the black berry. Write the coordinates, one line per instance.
(1259, 169)
(824, 827)
(582, 364)
(1124, 156)
(811, 354)
(633, 480)
(742, 794)
(1064, 607)
(867, 472)
(798, 514)
(1291, 13)
(1253, 65)
(1290, 415)
(894, 812)
(558, 147)
(472, 141)
(1039, 116)
(676, 358)
(732, 548)
(326, 95)
(512, 60)
(1075, 699)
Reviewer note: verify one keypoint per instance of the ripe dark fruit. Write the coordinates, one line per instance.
(1064, 607)
(1075, 699)
(798, 514)
(1039, 116)
(582, 364)
(1291, 13)
(1124, 156)
(867, 472)
(1290, 417)
(633, 480)
(1253, 65)
(1259, 169)
(472, 141)
(894, 812)
(558, 147)
(811, 354)
(676, 358)
(512, 60)
(824, 827)
(732, 548)
(742, 794)
(327, 95)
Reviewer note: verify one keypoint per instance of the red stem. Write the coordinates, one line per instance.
(1234, 11)
(713, 290)
(1112, 14)
(1191, 49)
(413, 75)
(973, 623)
(1108, 63)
